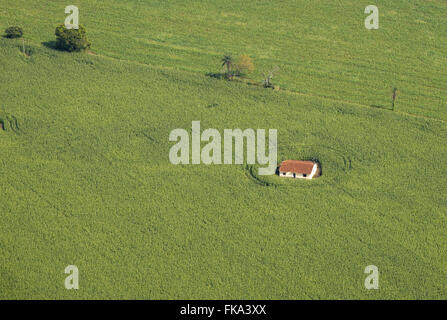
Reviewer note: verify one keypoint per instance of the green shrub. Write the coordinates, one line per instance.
(14, 32)
(72, 39)
(244, 65)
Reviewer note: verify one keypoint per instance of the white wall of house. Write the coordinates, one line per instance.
(290, 175)
(300, 176)
(314, 170)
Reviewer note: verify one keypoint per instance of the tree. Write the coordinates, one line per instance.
(244, 65)
(394, 96)
(268, 78)
(14, 32)
(72, 39)
(227, 61)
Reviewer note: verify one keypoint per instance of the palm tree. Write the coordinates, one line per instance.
(227, 61)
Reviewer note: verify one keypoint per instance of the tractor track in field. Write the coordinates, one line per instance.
(153, 66)
(41, 197)
(248, 169)
(413, 115)
(343, 157)
(158, 67)
(9, 122)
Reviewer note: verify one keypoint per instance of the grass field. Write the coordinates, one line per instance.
(86, 177)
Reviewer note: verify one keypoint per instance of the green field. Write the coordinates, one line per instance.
(86, 178)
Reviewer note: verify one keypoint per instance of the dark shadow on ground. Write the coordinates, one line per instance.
(215, 75)
(4, 36)
(51, 45)
(380, 107)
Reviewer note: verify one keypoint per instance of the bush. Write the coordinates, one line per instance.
(14, 32)
(244, 65)
(72, 39)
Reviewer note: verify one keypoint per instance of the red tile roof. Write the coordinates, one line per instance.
(295, 166)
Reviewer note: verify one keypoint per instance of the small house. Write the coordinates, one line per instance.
(299, 169)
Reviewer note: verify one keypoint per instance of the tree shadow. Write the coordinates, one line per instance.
(215, 75)
(51, 45)
(381, 107)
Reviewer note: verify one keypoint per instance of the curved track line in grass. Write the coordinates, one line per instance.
(14, 124)
(158, 67)
(347, 160)
(401, 74)
(178, 47)
(282, 90)
(41, 197)
(315, 152)
(364, 105)
(341, 160)
(214, 53)
(248, 169)
(153, 66)
(143, 134)
(10, 122)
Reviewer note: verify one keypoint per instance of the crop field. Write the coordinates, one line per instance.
(86, 179)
